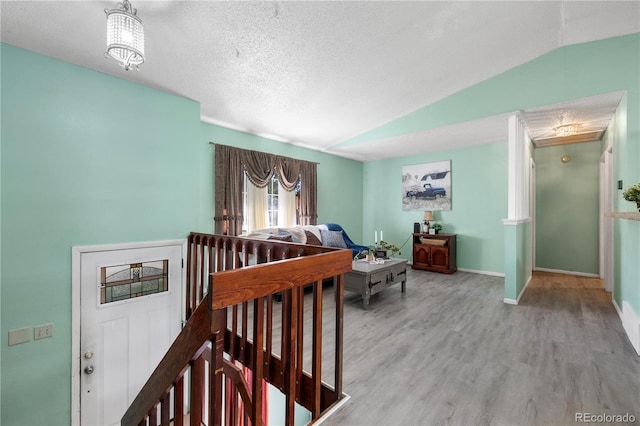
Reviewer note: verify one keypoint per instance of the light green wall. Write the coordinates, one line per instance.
(1, 320)
(517, 259)
(627, 232)
(339, 179)
(479, 203)
(564, 74)
(92, 159)
(87, 159)
(301, 415)
(70, 177)
(568, 73)
(567, 223)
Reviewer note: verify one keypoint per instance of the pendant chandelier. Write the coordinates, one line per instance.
(125, 36)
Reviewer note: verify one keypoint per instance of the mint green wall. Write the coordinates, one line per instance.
(339, 179)
(67, 179)
(92, 159)
(568, 73)
(567, 223)
(2, 331)
(479, 203)
(301, 415)
(87, 159)
(517, 259)
(627, 232)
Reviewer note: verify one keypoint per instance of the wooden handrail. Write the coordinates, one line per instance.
(239, 285)
(222, 261)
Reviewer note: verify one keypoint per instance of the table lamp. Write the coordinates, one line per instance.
(428, 216)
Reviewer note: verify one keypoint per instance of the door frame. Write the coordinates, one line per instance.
(606, 260)
(532, 210)
(76, 256)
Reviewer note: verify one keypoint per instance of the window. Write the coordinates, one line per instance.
(269, 207)
(229, 205)
(272, 202)
(123, 282)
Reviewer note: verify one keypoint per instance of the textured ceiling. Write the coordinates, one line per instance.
(319, 73)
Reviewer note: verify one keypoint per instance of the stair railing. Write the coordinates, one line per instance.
(236, 328)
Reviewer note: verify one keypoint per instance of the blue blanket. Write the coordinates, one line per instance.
(355, 248)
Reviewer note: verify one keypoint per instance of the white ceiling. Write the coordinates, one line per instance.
(317, 73)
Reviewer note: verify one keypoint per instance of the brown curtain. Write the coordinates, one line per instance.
(228, 191)
(259, 166)
(288, 170)
(308, 194)
(230, 163)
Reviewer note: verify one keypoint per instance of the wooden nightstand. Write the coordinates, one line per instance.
(434, 252)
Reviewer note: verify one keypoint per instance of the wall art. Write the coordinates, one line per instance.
(427, 186)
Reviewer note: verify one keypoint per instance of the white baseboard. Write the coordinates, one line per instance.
(630, 323)
(516, 301)
(615, 305)
(477, 271)
(559, 271)
(333, 409)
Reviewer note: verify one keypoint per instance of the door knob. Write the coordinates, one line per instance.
(88, 369)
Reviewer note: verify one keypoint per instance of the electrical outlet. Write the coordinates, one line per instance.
(43, 331)
(20, 335)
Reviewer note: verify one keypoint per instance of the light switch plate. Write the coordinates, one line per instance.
(20, 335)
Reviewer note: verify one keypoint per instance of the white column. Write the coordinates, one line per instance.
(519, 171)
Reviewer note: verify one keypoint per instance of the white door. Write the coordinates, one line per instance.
(131, 304)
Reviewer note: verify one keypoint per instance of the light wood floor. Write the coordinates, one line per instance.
(450, 352)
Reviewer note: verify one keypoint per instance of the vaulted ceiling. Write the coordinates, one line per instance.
(317, 74)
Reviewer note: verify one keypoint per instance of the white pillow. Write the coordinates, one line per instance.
(313, 229)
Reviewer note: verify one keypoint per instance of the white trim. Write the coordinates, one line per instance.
(75, 335)
(559, 271)
(512, 222)
(615, 305)
(631, 324)
(76, 253)
(517, 301)
(477, 271)
(128, 246)
(518, 170)
(628, 320)
(333, 409)
(606, 251)
(532, 209)
(512, 164)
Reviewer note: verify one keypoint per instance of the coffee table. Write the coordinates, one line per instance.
(369, 278)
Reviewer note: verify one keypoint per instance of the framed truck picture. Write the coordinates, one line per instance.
(427, 186)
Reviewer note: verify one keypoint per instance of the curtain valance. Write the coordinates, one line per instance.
(261, 166)
(231, 162)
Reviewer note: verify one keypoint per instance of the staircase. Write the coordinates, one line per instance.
(231, 331)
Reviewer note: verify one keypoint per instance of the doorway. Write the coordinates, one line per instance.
(127, 310)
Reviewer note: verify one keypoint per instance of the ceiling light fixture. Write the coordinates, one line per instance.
(566, 130)
(125, 36)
